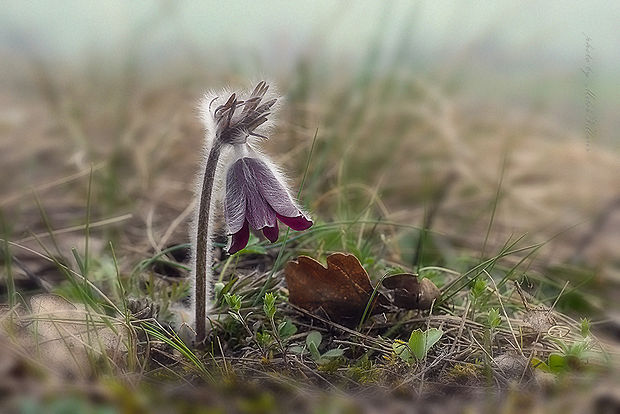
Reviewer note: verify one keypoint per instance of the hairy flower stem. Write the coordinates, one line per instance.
(203, 241)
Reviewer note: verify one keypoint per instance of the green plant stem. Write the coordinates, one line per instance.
(203, 241)
(276, 336)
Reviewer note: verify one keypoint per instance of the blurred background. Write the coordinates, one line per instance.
(485, 121)
(407, 98)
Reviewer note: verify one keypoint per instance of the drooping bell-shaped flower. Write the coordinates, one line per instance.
(255, 194)
(256, 198)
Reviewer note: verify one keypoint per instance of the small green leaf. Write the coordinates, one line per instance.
(269, 305)
(420, 342)
(578, 349)
(417, 343)
(314, 351)
(557, 363)
(333, 353)
(313, 340)
(314, 337)
(233, 301)
(299, 350)
(263, 338)
(401, 349)
(493, 319)
(585, 327)
(433, 335)
(478, 288)
(286, 329)
(541, 365)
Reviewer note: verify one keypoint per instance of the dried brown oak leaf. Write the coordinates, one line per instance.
(409, 292)
(342, 290)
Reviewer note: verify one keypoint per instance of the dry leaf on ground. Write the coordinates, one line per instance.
(342, 290)
(411, 292)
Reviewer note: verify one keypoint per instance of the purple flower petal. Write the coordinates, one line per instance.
(235, 205)
(256, 199)
(258, 212)
(271, 233)
(296, 223)
(240, 239)
(272, 190)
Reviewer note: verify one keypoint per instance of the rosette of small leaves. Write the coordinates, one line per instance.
(311, 348)
(420, 342)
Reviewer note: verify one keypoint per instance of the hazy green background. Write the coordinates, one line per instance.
(553, 29)
(521, 52)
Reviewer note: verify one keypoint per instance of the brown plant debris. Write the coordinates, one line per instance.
(409, 292)
(342, 290)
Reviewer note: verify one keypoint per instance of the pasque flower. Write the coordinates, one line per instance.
(234, 121)
(256, 198)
